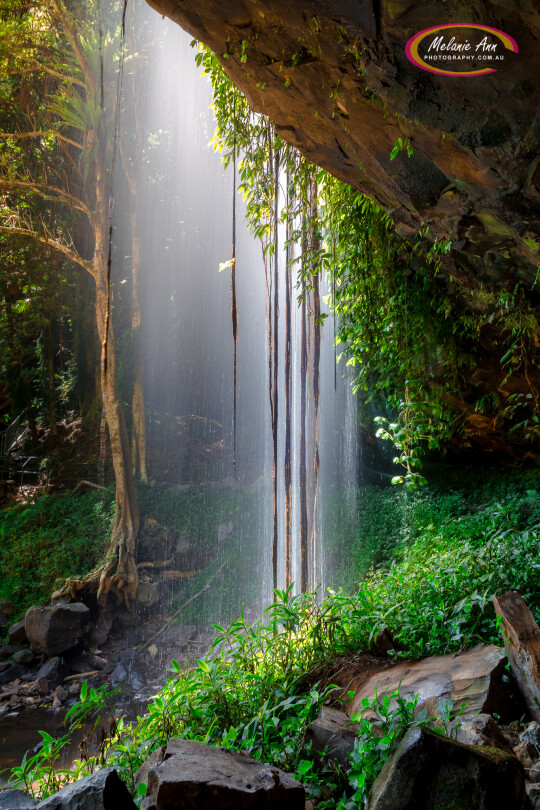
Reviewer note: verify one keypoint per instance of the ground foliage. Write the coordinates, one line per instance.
(43, 543)
(253, 690)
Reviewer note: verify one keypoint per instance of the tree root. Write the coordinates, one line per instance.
(107, 580)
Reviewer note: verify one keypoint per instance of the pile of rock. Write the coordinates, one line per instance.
(486, 759)
(479, 762)
(56, 647)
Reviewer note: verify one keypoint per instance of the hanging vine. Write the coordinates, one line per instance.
(385, 288)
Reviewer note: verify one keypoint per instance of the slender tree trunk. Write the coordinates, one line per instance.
(138, 439)
(119, 572)
(50, 381)
(275, 390)
(288, 455)
(303, 484)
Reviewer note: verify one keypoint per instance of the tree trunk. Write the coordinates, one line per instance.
(138, 438)
(50, 380)
(119, 571)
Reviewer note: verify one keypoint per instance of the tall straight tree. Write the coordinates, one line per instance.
(56, 183)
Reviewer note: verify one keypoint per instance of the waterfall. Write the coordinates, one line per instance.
(202, 376)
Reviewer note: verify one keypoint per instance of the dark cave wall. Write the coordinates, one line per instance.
(333, 76)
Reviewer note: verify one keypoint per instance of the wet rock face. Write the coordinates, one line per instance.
(334, 78)
(56, 628)
(346, 61)
(199, 777)
(16, 800)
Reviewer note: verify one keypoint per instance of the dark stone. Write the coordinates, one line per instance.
(24, 657)
(11, 674)
(17, 633)
(8, 650)
(481, 729)
(103, 790)
(200, 777)
(333, 731)
(429, 771)
(42, 685)
(127, 670)
(87, 662)
(100, 628)
(155, 758)
(6, 608)
(54, 670)
(16, 800)
(56, 628)
(4, 621)
(383, 643)
(531, 734)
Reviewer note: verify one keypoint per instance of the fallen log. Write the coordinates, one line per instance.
(521, 636)
(162, 564)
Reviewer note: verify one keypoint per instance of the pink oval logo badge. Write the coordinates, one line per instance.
(475, 50)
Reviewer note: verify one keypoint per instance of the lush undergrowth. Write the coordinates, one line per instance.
(254, 690)
(465, 504)
(44, 543)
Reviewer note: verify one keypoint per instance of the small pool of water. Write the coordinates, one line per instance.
(20, 734)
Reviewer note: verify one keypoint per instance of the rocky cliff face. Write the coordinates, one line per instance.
(334, 77)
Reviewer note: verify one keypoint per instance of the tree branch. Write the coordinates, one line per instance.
(36, 66)
(54, 243)
(63, 16)
(38, 133)
(41, 190)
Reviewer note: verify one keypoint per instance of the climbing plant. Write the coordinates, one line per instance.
(413, 336)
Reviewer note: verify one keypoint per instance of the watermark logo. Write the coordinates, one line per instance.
(460, 49)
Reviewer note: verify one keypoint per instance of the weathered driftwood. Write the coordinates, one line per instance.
(80, 675)
(522, 641)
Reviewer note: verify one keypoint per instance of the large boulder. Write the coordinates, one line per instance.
(11, 673)
(16, 800)
(54, 670)
(103, 790)
(201, 777)
(55, 628)
(474, 677)
(429, 771)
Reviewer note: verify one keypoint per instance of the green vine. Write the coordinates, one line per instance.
(411, 334)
